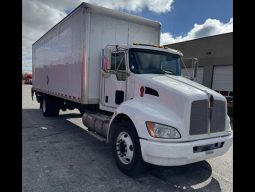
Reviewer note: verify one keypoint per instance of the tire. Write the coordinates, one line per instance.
(49, 107)
(127, 151)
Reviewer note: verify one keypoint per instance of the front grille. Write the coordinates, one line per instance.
(200, 116)
(218, 117)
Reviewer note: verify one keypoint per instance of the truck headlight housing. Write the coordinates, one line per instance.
(157, 130)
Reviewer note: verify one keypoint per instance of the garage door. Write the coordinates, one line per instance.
(189, 73)
(222, 78)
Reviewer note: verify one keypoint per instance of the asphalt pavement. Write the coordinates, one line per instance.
(58, 155)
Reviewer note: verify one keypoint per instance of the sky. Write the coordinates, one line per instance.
(181, 20)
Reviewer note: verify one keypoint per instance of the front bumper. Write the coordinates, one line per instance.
(174, 154)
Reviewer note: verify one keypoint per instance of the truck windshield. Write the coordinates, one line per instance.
(145, 61)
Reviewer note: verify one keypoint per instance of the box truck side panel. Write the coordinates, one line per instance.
(107, 30)
(67, 59)
(143, 34)
(57, 58)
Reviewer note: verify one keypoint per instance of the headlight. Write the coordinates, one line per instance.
(162, 131)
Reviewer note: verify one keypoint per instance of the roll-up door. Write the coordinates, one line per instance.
(222, 78)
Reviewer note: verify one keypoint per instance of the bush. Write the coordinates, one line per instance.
(24, 75)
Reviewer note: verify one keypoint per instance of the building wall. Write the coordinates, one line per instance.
(211, 51)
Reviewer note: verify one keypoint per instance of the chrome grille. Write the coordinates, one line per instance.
(200, 115)
(218, 117)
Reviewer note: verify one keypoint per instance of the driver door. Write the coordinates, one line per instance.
(114, 81)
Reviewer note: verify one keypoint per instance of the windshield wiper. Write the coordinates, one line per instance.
(167, 72)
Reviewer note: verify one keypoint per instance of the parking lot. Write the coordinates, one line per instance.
(58, 155)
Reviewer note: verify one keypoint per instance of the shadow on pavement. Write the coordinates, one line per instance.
(193, 177)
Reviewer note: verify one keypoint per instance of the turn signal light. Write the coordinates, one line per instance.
(150, 127)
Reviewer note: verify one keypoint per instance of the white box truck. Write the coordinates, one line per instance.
(129, 90)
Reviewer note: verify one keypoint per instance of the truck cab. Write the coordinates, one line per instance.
(173, 120)
(123, 66)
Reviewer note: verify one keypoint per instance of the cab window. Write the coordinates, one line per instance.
(118, 61)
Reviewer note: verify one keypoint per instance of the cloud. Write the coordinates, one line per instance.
(208, 28)
(37, 19)
(157, 6)
(39, 16)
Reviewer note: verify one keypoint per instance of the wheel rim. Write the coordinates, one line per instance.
(125, 148)
(44, 106)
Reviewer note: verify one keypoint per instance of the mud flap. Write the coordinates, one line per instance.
(32, 94)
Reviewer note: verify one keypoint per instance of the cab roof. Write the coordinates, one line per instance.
(151, 47)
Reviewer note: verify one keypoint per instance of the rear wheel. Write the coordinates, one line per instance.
(126, 150)
(49, 106)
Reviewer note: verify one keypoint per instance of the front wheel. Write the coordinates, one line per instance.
(126, 150)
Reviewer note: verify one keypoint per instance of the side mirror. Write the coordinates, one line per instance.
(106, 59)
(193, 63)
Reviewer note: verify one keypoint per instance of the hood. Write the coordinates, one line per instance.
(171, 98)
(168, 84)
